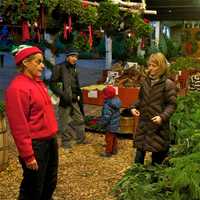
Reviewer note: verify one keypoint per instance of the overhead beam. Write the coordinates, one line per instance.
(133, 6)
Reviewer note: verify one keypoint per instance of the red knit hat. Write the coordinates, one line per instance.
(24, 51)
(109, 92)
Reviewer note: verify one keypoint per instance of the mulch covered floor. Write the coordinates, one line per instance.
(83, 174)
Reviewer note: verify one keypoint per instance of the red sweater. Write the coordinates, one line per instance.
(30, 113)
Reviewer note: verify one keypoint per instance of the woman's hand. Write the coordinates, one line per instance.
(32, 165)
(135, 112)
(157, 120)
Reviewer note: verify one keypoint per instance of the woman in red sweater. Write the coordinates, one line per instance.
(33, 126)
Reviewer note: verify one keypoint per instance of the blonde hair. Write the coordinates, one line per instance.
(160, 60)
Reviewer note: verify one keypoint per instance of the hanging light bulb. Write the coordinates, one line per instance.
(101, 30)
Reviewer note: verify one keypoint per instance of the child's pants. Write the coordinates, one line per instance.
(111, 142)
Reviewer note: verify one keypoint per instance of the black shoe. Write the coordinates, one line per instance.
(105, 154)
(115, 152)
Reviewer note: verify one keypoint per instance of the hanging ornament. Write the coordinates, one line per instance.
(90, 35)
(25, 31)
(146, 21)
(70, 24)
(65, 28)
(142, 45)
(37, 36)
(85, 3)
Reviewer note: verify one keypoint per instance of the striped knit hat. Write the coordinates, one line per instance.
(23, 51)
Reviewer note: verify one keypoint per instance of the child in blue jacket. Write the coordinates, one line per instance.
(110, 119)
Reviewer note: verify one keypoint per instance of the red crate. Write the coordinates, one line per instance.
(127, 96)
(93, 101)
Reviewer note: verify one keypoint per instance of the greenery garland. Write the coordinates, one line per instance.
(88, 16)
(15, 10)
(108, 16)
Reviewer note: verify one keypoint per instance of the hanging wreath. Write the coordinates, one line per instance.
(197, 36)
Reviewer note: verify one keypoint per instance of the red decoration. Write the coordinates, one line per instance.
(37, 36)
(85, 3)
(70, 24)
(65, 30)
(146, 21)
(90, 36)
(142, 43)
(188, 48)
(25, 31)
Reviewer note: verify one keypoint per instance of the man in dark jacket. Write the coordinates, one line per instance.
(65, 84)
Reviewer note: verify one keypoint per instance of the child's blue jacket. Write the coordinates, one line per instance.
(110, 116)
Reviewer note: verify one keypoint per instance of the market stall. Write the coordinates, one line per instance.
(126, 80)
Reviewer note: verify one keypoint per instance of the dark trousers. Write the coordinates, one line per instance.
(111, 142)
(157, 157)
(40, 184)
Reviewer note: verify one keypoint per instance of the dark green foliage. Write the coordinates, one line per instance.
(179, 178)
(91, 123)
(2, 106)
(81, 42)
(141, 183)
(108, 17)
(101, 47)
(118, 47)
(70, 7)
(184, 176)
(136, 24)
(184, 63)
(14, 11)
(169, 47)
(185, 120)
(89, 16)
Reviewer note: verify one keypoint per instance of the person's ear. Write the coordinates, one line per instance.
(25, 62)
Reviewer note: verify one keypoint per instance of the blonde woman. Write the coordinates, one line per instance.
(156, 104)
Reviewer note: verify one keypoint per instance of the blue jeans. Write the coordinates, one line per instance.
(40, 184)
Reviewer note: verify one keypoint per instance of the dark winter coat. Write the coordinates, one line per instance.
(65, 84)
(156, 100)
(110, 117)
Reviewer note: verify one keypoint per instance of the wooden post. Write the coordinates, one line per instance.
(4, 144)
(157, 33)
(108, 44)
